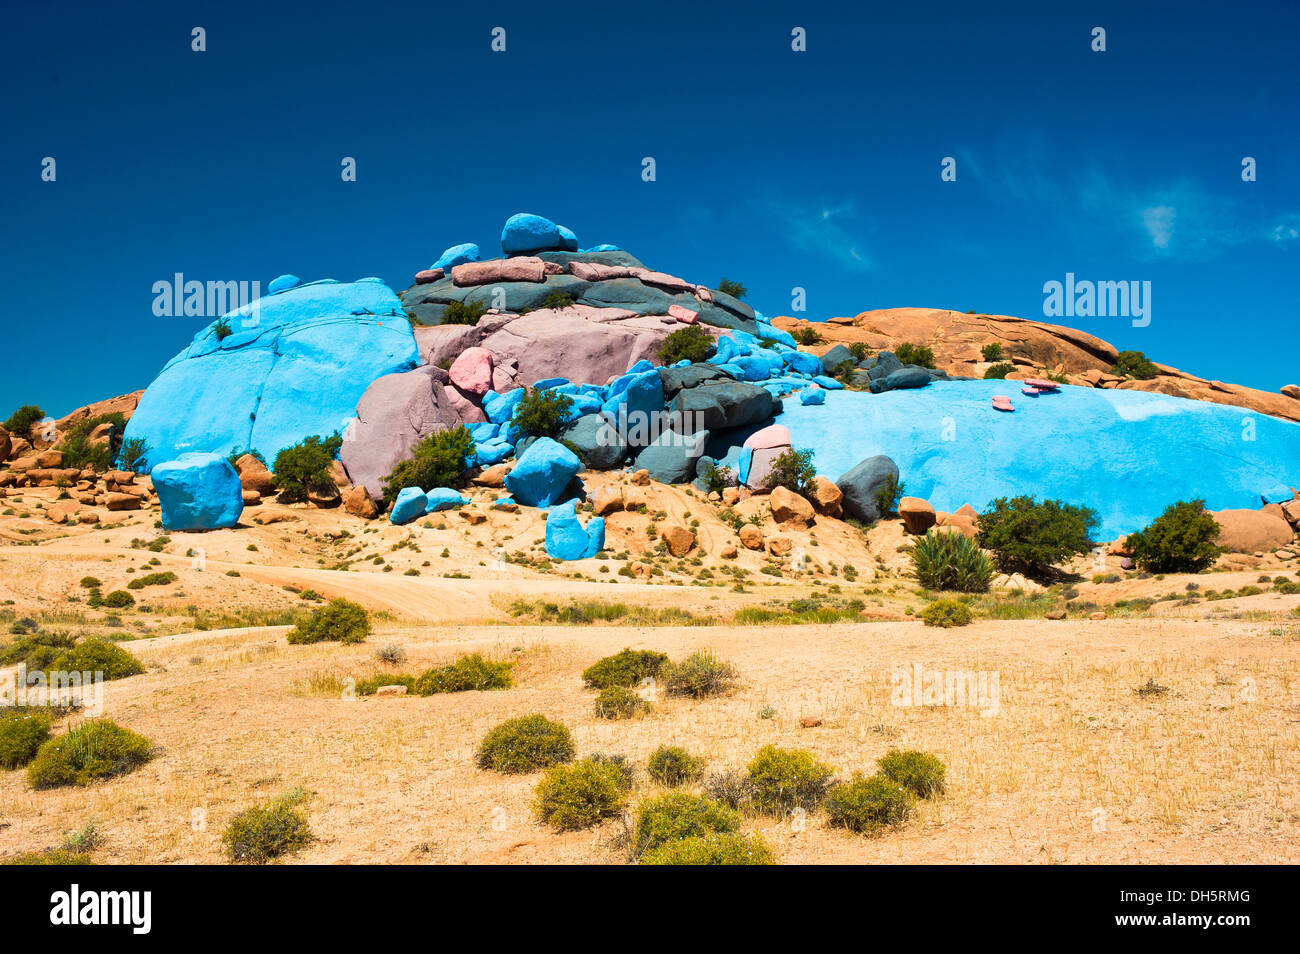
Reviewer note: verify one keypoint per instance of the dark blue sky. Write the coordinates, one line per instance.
(780, 169)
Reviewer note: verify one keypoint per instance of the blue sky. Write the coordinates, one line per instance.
(818, 169)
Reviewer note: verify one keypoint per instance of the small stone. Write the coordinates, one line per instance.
(810, 722)
(390, 691)
(641, 477)
(1096, 616)
(728, 552)
(474, 517)
(1054, 614)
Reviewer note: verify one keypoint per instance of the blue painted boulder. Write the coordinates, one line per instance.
(411, 503)
(456, 255)
(294, 365)
(198, 492)
(567, 538)
(443, 498)
(525, 233)
(500, 407)
(635, 401)
(803, 362)
(812, 396)
(568, 240)
(542, 472)
(283, 283)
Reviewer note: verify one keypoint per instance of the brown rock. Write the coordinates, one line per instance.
(918, 516)
(679, 539)
(1054, 614)
(251, 498)
(474, 517)
(49, 458)
(275, 516)
(607, 501)
(88, 516)
(641, 478)
(789, 509)
(1291, 512)
(339, 475)
(63, 512)
(731, 495)
(779, 545)
(18, 446)
(959, 523)
(389, 692)
(810, 722)
(728, 551)
(1291, 391)
(494, 476)
(326, 498)
(117, 501)
(6, 445)
(1248, 531)
(1096, 616)
(123, 478)
(253, 475)
(751, 536)
(359, 503)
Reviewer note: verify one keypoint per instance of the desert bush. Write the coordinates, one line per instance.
(463, 313)
(78, 451)
(1180, 540)
(691, 343)
(860, 351)
(781, 780)
(133, 455)
(794, 470)
(671, 766)
(22, 732)
(52, 856)
(998, 371)
(370, 685)
(152, 579)
(712, 849)
(919, 772)
(807, 336)
(946, 613)
(96, 655)
(992, 351)
(625, 668)
(468, 673)
(20, 422)
(734, 289)
(617, 702)
(918, 355)
(698, 675)
(37, 651)
(889, 494)
(263, 833)
(95, 749)
(950, 561)
(1029, 536)
(868, 805)
(716, 479)
(730, 786)
(337, 621)
(541, 413)
(570, 797)
(305, 467)
(437, 461)
(1134, 364)
(394, 654)
(557, 300)
(525, 744)
(679, 815)
(91, 582)
(119, 599)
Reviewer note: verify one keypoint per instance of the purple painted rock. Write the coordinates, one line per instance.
(472, 371)
(760, 468)
(774, 435)
(595, 272)
(466, 411)
(544, 343)
(500, 270)
(395, 413)
(428, 275)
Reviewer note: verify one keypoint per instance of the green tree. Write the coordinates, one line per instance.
(305, 467)
(734, 289)
(692, 343)
(20, 421)
(1180, 540)
(437, 461)
(1134, 364)
(1030, 537)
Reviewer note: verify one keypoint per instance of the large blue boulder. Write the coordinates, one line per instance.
(456, 255)
(443, 498)
(525, 233)
(283, 283)
(542, 472)
(500, 407)
(198, 492)
(803, 362)
(280, 369)
(635, 402)
(567, 538)
(411, 503)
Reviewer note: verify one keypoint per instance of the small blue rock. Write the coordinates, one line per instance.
(443, 498)
(456, 255)
(410, 504)
(525, 233)
(542, 472)
(812, 396)
(283, 283)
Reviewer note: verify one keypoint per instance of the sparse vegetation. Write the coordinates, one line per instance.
(20, 421)
(734, 289)
(807, 336)
(95, 749)
(888, 496)
(946, 613)
(338, 621)
(261, 834)
(466, 674)
(572, 797)
(673, 765)
(944, 560)
(699, 675)
(781, 780)
(525, 744)
(691, 343)
(462, 313)
(618, 702)
(541, 413)
(918, 355)
(998, 371)
(992, 351)
(22, 732)
(305, 467)
(869, 805)
(677, 815)
(712, 849)
(437, 461)
(794, 470)
(1030, 537)
(625, 668)
(919, 772)
(1134, 364)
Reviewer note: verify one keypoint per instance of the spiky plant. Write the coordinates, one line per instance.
(950, 561)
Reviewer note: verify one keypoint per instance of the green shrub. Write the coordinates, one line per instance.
(794, 470)
(469, 673)
(909, 353)
(699, 675)
(95, 749)
(716, 479)
(781, 780)
(617, 702)
(463, 313)
(1134, 364)
(37, 651)
(860, 351)
(133, 454)
(713, 849)
(1028, 536)
(999, 371)
(946, 613)
(96, 655)
(558, 300)
(679, 815)
(20, 421)
(807, 336)
(541, 413)
(263, 833)
(337, 621)
(691, 343)
(992, 351)
(22, 732)
(868, 805)
(437, 461)
(525, 744)
(626, 668)
(1180, 540)
(152, 579)
(734, 289)
(52, 856)
(78, 451)
(671, 766)
(119, 599)
(943, 560)
(372, 684)
(305, 467)
(919, 772)
(570, 797)
(889, 494)
(90, 582)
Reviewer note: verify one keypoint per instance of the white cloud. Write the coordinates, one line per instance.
(1159, 223)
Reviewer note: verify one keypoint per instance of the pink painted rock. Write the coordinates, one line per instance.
(595, 272)
(774, 435)
(395, 413)
(521, 269)
(425, 276)
(553, 268)
(667, 282)
(703, 294)
(1040, 384)
(545, 343)
(684, 315)
(472, 371)
(466, 411)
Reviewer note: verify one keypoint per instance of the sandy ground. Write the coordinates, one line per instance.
(1064, 763)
